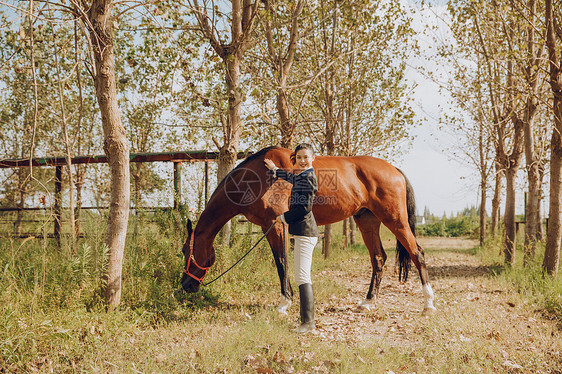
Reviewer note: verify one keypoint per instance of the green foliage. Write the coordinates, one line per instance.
(37, 273)
(172, 221)
(352, 63)
(466, 223)
(432, 229)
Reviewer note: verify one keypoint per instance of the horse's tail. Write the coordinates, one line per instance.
(404, 259)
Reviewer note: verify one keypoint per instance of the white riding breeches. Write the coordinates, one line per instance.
(304, 246)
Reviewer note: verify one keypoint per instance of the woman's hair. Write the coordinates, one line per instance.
(306, 146)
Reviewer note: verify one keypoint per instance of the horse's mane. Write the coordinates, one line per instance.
(251, 157)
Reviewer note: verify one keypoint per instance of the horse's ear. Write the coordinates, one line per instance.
(189, 227)
(293, 158)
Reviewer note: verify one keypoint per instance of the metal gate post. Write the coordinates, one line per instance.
(58, 204)
(206, 181)
(177, 184)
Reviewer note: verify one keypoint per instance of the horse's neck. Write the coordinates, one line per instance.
(214, 217)
(220, 208)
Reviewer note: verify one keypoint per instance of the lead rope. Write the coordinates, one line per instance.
(246, 254)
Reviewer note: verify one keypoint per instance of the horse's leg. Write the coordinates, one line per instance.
(369, 225)
(280, 252)
(399, 226)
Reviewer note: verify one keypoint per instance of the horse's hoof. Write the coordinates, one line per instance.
(284, 305)
(427, 311)
(282, 310)
(364, 306)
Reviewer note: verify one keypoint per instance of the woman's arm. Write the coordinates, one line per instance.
(285, 175)
(279, 173)
(270, 164)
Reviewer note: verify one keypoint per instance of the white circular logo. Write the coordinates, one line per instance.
(243, 186)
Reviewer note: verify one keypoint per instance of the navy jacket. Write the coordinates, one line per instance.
(299, 216)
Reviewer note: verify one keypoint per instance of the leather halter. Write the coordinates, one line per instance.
(191, 259)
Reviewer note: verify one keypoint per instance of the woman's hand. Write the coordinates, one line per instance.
(269, 164)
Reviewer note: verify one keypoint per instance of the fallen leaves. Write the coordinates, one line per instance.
(512, 365)
(494, 335)
(268, 363)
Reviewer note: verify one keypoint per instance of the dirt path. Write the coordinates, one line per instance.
(484, 323)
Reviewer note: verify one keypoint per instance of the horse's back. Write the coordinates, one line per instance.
(348, 184)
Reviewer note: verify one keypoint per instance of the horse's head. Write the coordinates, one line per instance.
(195, 269)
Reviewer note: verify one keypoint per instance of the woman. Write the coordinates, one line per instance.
(302, 226)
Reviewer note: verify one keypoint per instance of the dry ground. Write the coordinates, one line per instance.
(479, 323)
(481, 326)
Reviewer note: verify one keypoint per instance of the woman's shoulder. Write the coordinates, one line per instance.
(311, 178)
(311, 174)
(307, 174)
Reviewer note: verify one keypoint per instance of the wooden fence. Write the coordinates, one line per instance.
(177, 158)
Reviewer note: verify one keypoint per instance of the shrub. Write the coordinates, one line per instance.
(455, 227)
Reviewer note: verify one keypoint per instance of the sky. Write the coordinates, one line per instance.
(444, 185)
(440, 183)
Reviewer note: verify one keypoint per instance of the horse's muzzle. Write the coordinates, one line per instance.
(189, 284)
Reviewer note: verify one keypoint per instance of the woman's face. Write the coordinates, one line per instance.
(304, 158)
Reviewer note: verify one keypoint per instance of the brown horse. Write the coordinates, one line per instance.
(369, 189)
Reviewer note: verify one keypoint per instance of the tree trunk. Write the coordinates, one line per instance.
(483, 209)
(352, 238)
(68, 148)
(511, 164)
(225, 164)
(554, 233)
(553, 230)
(509, 217)
(229, 151)
(232, 133)
(330, 102)
(532, 213)
(483, 183)
(241, 21)
(116, 146)
(137, 184)
(287, 128)
(327, 240)
(79, 169)
(345, 232)
(136, 174)
(531, 157)
(540, 225)
(281, 63)
(19, 215)
(496, 202)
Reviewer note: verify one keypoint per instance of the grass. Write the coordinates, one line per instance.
(530, 282)
(52, 316)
